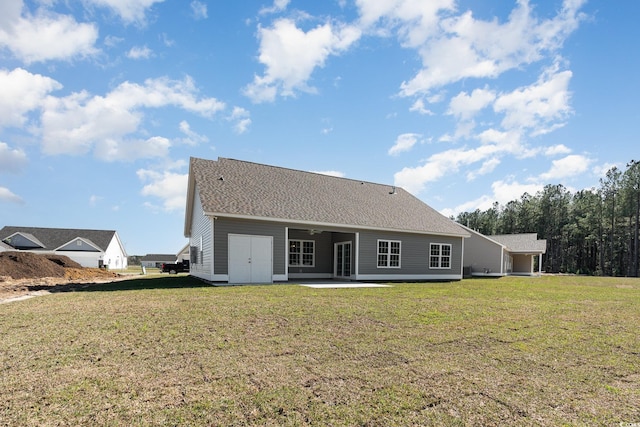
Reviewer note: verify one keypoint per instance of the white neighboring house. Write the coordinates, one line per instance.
(156, 260)
(89, 248)
(183, 255)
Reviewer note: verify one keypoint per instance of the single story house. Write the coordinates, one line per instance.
(183, 255)
(89, 248)
(156, 260)
(4, 247)
(254, 223)
(502, 255)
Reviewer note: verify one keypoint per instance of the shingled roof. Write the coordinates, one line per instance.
(237, 188)
(521, 243)
(53, 238)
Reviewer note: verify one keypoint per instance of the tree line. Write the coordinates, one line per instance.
(592, 231)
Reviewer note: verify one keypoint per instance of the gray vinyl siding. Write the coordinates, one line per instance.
(482, 255)
(414, 254)
(226, 226)
(79, 245)
(201, 231)
(323, 251)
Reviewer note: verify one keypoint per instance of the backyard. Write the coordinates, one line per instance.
(554, 350)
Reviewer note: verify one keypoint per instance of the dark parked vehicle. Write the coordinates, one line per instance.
(175, 268)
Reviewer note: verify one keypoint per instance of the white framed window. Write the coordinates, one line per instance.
(440, 255)
(389, 253)
(302, 253)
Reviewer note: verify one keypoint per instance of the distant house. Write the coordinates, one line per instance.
(501, 255)
(89, 248)
(5, 247)
(156, 260)
(183, 255)
(255, 223)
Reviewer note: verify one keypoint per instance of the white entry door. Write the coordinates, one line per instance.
(250, 259)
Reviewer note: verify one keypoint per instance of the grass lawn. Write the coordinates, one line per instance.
(171, 351)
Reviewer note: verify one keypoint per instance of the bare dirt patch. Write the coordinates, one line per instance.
(24, 273)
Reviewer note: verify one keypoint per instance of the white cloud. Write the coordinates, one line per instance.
(415, 20)
(539, 105)
(199, 10)
(79, 122)
(129, 149)
(94, 199)
(140, 52)
(462, 47)
(290, 56)
(465, 106)
(191, 138)
(7, 195)
(337, 174)
(418, 106)
(44, 36)
(170, 187)
(11, 160)
(130, 11)
(569, 166)
(413, 179)
(487, 167)
(556, 150)
(22, 92)
(404, 142)
(112, 41)
(278, 6)
(241, 119)
(502, 192)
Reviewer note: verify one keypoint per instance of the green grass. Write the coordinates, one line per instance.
(171, 351)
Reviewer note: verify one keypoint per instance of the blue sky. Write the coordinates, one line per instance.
(463, 103)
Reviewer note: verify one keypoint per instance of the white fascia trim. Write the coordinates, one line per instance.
(330, 225)
(425, 277)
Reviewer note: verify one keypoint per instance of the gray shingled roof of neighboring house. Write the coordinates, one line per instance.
(246, 189)
(159, 257)
(53, 238)
(525, 242)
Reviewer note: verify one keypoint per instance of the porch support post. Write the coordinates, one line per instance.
(540, 264)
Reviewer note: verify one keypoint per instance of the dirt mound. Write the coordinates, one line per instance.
(24, 265)
(63, 261)
(23, 273)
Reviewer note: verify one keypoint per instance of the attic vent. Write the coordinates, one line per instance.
(221, 178)
(393, 190)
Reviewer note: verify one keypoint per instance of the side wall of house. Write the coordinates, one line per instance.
(414, 257)
(201, 241)
(483, 256)
(114, 256)
(225, 226)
